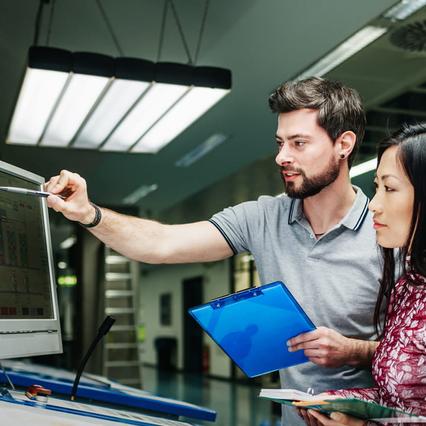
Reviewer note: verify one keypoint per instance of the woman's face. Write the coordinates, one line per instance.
(392, 206)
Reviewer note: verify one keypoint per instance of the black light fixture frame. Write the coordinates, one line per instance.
(51, 58)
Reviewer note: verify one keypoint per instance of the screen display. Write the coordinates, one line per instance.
(24, 268)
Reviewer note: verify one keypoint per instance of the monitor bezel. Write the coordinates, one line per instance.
(44, 326)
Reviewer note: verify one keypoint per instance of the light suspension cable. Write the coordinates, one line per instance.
(110, 29)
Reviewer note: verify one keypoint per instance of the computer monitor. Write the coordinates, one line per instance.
(29, 317)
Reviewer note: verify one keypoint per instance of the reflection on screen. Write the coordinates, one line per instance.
(24, 269)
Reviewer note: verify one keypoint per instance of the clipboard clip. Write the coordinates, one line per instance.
(246, 293)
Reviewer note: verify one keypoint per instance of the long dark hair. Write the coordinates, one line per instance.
(411, 143)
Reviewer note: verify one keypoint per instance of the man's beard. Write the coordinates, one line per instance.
(312, 185)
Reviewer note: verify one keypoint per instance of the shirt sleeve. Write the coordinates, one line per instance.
(366, 394)
(238, 225)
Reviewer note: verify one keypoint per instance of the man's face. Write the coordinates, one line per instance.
(307, 158)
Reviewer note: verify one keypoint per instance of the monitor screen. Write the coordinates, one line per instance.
(29, 319)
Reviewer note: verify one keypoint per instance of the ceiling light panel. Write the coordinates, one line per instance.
(93, 101)
(39, 93)
(365, 167)
(404, 9)
(111, 109)
(140, 193)
(194, 104)
(158, 99)
(201, 150)
(345, 50)
(79, 97)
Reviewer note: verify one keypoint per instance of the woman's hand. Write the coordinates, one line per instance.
(315, 418)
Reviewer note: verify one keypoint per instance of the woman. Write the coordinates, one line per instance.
(399, 214)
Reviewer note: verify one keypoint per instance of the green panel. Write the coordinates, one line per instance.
(366, 183)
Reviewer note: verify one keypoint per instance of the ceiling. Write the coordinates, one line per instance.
(262, 42)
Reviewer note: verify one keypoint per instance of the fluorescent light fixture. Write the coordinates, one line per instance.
(79, 97)
(132, 79)
(153, 105)
(345, 50)
(92, 101)
(404, 9)
(68, 242)
(90, 76)
(362, 168)
(201, 150)
(41, 88)
(192, 106)
(39, 93)
(117, 101)
(140, 193)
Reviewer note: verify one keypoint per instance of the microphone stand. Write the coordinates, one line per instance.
(103, 329)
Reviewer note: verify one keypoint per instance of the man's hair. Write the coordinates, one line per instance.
(339, 107)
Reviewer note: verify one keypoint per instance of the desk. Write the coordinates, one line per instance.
(100, 389)
(17, 410)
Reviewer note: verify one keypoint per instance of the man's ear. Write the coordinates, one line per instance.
(346, 143)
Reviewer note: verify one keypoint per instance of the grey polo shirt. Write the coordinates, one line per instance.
(334, 278)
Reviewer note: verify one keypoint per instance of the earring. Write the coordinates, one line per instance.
(342, 156)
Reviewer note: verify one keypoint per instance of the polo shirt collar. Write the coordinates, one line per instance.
(353, 219)
(296, 211)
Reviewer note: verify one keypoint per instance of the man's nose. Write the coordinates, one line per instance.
(284, 156)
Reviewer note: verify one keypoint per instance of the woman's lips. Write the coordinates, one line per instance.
(378, 225)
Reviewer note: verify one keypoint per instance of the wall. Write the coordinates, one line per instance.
(157, 280)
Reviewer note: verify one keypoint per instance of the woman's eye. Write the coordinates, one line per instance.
(388, 189)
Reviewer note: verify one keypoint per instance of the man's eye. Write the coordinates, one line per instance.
(299, 143)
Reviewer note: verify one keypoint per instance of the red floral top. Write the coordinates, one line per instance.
(399, 363)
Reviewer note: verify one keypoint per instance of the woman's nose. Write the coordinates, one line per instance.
(374, 205)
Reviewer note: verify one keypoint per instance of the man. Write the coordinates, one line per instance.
(318, 239)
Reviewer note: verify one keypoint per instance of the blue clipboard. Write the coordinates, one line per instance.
(252, 327)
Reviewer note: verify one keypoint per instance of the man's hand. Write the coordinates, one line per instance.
(314, 418)
(76, 205)
(328, 348)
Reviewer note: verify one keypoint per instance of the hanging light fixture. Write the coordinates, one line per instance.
(93, 101)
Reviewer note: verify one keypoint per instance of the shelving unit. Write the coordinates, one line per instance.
(121, 353)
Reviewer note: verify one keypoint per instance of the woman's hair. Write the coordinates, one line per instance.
(411, 143)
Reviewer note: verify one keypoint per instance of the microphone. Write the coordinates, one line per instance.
(103, 329)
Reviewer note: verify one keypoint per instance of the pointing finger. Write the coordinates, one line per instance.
(51, 183)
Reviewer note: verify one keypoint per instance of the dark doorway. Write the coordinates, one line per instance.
(192, 290)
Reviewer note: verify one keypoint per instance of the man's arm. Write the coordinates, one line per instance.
(328, 348)
(139, 239)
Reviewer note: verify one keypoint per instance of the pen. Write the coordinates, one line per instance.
(26, 191)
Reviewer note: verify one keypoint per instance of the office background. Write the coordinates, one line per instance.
(263, 43)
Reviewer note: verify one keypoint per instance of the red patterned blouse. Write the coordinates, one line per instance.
(399, 363)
